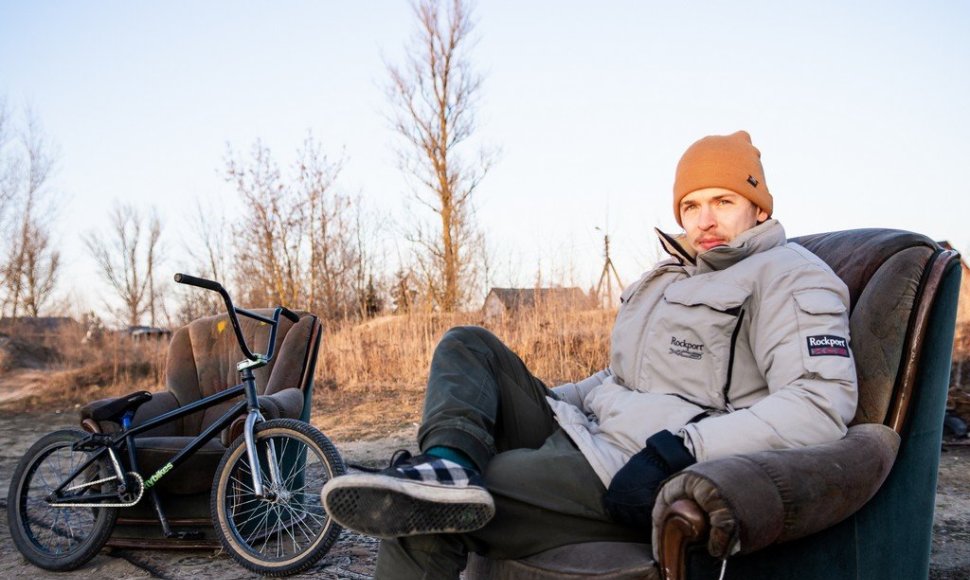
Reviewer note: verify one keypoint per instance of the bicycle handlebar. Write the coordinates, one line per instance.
(200, 282)
(233, 310)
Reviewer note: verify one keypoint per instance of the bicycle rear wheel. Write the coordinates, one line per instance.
(288, 530)
(57, 538)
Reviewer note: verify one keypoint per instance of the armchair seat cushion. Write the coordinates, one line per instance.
(284, 404)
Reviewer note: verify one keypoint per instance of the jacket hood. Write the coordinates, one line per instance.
(761, 237)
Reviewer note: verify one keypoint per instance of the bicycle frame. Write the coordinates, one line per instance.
(127, 437)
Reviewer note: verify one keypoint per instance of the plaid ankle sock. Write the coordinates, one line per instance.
(452, 454)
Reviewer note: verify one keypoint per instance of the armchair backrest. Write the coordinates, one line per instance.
(904, 290)
(202, 360)
(893, 277)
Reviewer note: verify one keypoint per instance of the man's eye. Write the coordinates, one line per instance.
(724, 202)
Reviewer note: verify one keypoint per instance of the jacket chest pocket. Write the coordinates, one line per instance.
(824, 331)
(691, 341)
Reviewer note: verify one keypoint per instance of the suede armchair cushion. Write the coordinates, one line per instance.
(203, 356)
(883, 270)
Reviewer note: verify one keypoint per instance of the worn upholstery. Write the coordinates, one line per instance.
(202, 360)
(833, 510)
(883, 270)
(759, 499)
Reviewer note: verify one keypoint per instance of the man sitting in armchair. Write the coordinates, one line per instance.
(737, 343)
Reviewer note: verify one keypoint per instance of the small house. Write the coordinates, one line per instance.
(502, 302)
(36, 328)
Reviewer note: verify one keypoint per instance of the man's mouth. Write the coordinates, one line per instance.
(708, 243)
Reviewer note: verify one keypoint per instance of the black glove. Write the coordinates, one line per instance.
(631, 495)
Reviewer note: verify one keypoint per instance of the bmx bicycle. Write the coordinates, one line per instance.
(68, 488)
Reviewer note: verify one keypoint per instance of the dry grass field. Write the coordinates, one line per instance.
(369, 379)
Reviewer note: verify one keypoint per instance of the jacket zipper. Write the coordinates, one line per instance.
(730, 369)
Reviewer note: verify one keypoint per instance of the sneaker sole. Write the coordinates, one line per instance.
(388, 507)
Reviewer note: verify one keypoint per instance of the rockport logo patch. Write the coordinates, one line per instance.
(828, 345)
(752, 181)
(681, 347)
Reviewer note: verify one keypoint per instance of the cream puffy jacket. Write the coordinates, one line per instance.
(744, 349)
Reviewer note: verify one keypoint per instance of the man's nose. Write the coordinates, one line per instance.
(706, 220)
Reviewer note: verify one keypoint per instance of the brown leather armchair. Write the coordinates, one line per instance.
(202, 361)
(861, 507)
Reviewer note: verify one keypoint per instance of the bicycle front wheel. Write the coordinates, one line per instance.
(58, 538)
(287, 530)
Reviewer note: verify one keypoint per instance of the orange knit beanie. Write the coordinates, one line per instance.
(728, 161)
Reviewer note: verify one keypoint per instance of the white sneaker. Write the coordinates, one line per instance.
(415, 495)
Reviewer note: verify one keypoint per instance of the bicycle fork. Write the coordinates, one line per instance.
(275, 478)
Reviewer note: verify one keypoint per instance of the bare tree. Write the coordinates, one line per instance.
(299, 233)
(269, 266)
(6, 165)
(32, 273)
(30, 266)
(434, 97)
(330, 220)
(127, 261)
(403, 294)
(210, 255)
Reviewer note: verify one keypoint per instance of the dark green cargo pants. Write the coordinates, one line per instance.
(482, 400)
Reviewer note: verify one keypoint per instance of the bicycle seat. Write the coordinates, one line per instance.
(114, 409)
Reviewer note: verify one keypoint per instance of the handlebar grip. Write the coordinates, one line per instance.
(293, 316)
(200, 282)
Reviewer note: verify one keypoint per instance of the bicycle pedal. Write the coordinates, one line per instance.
(185, 535)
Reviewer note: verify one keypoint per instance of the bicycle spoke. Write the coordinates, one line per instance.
(301, 523)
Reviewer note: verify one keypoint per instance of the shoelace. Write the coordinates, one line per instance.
(400, 457)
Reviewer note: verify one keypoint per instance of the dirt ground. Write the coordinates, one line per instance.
(353, 556)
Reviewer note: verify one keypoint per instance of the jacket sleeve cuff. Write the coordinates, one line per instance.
(671, 449)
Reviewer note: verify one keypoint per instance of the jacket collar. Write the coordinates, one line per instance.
(762, 237)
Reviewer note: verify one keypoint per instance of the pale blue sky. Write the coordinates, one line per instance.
(860, 111)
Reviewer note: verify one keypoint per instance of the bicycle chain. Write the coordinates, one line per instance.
(141, 492)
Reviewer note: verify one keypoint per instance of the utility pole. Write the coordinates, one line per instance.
(607, 277)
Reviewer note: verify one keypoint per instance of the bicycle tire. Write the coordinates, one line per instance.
(56, 538)
(291, 531)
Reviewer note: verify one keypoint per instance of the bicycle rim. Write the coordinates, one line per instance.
(56, 538)
(288, 531)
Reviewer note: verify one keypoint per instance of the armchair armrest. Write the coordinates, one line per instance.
(755, 500)
(284, 404)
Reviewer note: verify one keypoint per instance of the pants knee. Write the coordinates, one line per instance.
(471, 336)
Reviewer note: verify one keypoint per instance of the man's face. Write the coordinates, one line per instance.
(714, 216)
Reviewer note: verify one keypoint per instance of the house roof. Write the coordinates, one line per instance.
(513, 298)
(35, 324)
